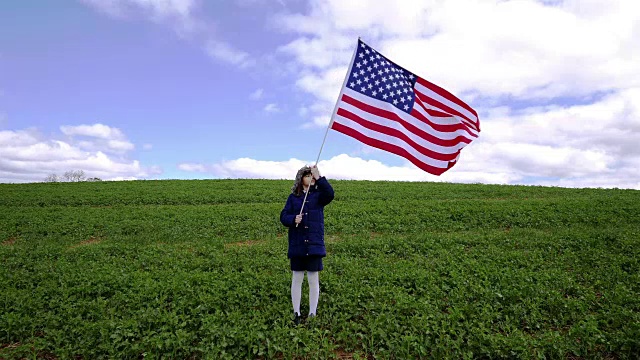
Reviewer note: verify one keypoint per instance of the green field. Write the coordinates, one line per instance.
(198, 269)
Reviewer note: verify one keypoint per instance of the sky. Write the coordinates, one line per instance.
(195, 89)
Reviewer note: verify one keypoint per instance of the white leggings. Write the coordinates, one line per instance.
(296, 290)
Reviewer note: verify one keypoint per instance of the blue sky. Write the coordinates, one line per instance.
(188, 89)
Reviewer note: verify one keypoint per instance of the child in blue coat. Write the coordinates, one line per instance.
(306, 234)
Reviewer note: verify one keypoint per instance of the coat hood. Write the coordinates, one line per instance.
(297, 183)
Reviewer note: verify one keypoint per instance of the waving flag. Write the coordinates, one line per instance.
(385, 106)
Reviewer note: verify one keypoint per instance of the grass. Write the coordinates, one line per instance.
(198, 269)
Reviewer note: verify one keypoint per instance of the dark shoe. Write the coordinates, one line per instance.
(297, 319)
(311, 320)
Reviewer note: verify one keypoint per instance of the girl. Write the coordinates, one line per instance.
(306, 234)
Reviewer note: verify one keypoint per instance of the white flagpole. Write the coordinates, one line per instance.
(335, 110)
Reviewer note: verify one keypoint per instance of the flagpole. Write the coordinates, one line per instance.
(335, 109)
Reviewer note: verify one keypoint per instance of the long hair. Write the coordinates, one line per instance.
(298, 185)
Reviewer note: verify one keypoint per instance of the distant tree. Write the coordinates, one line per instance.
(74, 175)
(94, 179)
(52, 178)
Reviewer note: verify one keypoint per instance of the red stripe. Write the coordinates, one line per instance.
(447, 95)
(398, 134)
(430, 111)
(390, 148)
(440, 127)
(394, 117)
(435, 103)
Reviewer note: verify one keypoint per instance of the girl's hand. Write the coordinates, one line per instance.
(298, 219)
(315, 172)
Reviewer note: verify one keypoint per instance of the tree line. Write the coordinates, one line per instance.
(70, 176)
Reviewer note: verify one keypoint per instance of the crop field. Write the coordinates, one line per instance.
(197, 269)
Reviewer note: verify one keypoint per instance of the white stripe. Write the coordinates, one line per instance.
(428, 93)
(456, 119)
(391, 140)
(453, 120)
(404, 116)
(397, 126)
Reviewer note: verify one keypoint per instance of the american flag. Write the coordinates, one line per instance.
(385, 106)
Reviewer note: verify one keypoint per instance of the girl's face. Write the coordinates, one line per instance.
(308, 180)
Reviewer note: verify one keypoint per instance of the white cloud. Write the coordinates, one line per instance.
(318, 122)
(183, 16)
(147, 146)
(272, 108)
(227, 53)
(257, 95)
(340, 167)
(556, 84)
(192, 167)
(103, 138)
(95, 130)
(506, 53)
(120, 145)
(354, 168)
(247, 168)
(587, 145)
(27, 156)
(578, 51)
(178, 13)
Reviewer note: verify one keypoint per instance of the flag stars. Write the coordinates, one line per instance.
(375, 76)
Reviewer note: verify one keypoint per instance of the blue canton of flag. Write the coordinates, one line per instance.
(374, 75)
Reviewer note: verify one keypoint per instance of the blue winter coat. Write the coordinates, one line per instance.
(308, 238)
